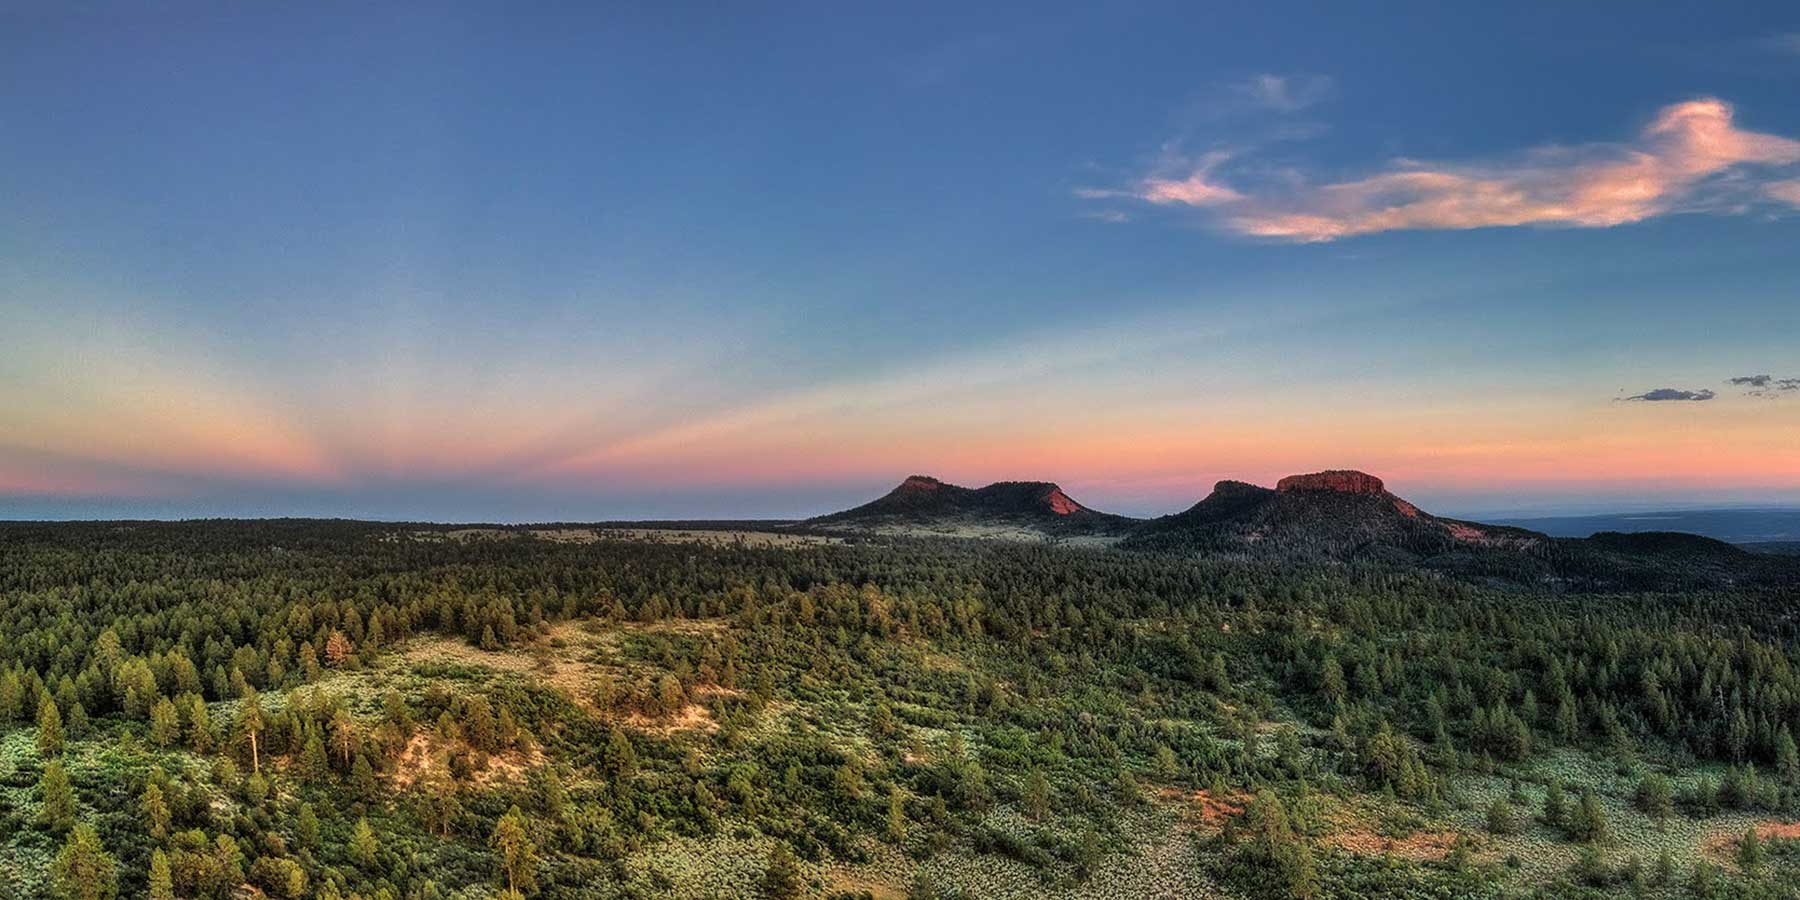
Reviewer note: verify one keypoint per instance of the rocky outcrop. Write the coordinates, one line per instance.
(1343, 481)
(1060, 503)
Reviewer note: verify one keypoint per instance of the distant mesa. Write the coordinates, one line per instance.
(1347, 481)
(919, 483)
(1024, 509)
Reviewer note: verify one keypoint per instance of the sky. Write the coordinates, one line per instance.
(478, 263)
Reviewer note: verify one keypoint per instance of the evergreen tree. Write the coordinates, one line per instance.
(162, 881)
(250, 723)
(165, 723)
(1501, 819)
(306, 827)
(896, 816)
(155, 812)
(364, 845)
(1656, 798)
(1750, 852)
(83, 870)
(1037, 796)
(1555, 807)
(782, 879)
(50, 726)
(620, 757)
(518, 855)
(1587, 822)
(56, 811)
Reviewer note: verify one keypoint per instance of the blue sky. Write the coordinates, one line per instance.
(462, 262)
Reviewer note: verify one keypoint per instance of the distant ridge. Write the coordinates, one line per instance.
(1739, 526)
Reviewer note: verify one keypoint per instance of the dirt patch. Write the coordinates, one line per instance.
(693, 717)
(541, 664)
(423, 752)
(943, 662)
(1722, 845)
(572, 656)
(1203, 808)
(841, 881)
(1420, 846)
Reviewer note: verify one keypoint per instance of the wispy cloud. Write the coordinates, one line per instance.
(1199, 188)
(1692, 157)
(1286, 93)
(1663, 394)
(1765, 385)
(1785, 42)
(1785, 191)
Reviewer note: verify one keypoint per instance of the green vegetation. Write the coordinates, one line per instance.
(344, 710)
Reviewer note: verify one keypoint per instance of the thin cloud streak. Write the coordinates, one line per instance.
(1691, 158)
(1287, 93)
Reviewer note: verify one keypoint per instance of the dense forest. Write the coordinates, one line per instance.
(309, 709)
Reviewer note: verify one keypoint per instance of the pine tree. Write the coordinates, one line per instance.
(338, 650)
(1500, 817)
(50, 726)
(781, 878)
(518, 855)
(165, 723)
(1555, 807)
(1656, 798)
(363, 845)
(57, 809)
(83, 870)
(1587, 823)
(1037, 796)
(896, 816)
(155, 811)
(314, 767)
(1750, 852)
(1787, 757)
(199, 725)
(343, 736)
(620, 758)
(362, 779)
(251, 724)
(306, 827)
(162, 881)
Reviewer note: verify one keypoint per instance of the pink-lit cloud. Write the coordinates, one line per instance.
(1691, 158)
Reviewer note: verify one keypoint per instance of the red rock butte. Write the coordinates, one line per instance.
(1344, 481)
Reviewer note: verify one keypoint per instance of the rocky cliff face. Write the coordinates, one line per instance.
(1060, 503)
(1343, 481)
